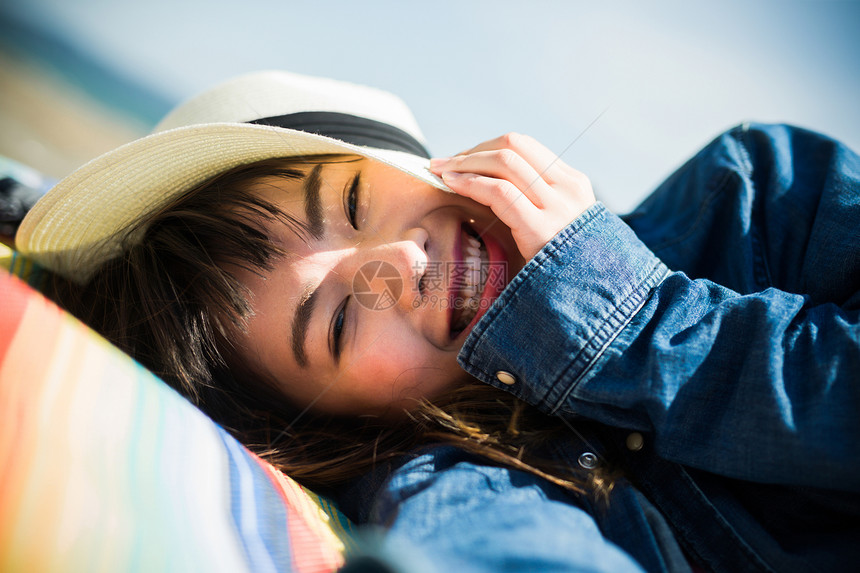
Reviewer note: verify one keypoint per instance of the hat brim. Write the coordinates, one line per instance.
(79, 224)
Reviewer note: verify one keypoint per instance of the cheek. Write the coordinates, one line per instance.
(391, 365)
(399, 377)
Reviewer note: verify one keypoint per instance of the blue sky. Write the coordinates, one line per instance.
(663, 77)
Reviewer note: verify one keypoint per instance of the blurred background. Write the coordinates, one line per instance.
(624, 91)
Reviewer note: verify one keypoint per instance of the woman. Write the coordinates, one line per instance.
(256, 268)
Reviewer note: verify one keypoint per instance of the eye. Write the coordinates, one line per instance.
(337, 327)
(351, 203)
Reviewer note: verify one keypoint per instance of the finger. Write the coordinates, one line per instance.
(504, 200)
(551, 168)
(502, 164)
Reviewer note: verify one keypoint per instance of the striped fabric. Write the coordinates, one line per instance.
(21, 267)
(103, 467)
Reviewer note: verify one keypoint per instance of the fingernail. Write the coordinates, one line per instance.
(438, 161)
(451, 175)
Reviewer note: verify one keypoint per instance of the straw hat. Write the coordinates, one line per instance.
(79, 224)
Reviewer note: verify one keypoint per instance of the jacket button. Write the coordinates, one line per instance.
(635, 441)
(588, 461)
(505, 378)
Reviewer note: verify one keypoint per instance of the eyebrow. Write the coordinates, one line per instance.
(301, 320)
(316, 227)
(313, 203)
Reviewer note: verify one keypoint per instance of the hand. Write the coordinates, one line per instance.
(526, 185)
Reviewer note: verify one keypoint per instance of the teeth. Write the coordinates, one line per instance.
(476, 276)
(471, 274)
(470, 299)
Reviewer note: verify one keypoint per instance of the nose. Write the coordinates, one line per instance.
(386, 273)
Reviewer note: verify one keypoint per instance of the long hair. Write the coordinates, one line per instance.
(170, 302)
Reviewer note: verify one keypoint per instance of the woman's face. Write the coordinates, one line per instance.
(371, 311)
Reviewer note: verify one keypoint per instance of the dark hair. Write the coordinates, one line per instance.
(171, 303)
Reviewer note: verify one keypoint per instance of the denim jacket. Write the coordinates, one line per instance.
(713, 335)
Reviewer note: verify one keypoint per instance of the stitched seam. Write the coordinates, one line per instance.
(719, 186)
(761, 269)
(614, 324)
(723, 524)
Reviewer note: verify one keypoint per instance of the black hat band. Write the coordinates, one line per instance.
(349, 128)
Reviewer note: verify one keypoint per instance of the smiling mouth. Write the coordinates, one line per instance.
(468, 280)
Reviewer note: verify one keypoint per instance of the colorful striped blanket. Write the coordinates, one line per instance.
(103, 467)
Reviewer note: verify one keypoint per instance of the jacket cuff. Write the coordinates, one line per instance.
(552, 322)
